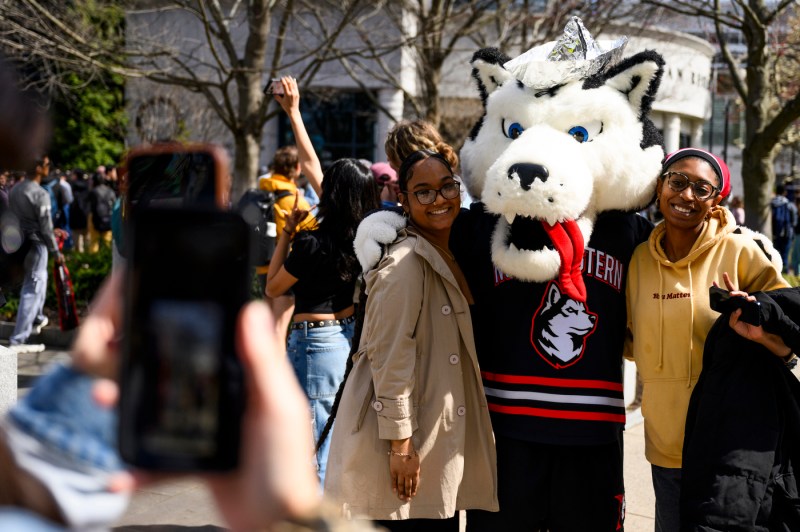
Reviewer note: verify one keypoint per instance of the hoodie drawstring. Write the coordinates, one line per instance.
(660, 364)
(691, 324)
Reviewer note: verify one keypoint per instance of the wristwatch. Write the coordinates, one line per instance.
(790, 360)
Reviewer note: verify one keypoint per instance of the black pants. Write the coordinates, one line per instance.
(559, 488)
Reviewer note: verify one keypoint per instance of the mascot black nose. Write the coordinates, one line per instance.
(527, 172)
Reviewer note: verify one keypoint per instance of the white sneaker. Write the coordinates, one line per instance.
(37, 327)
(26, 348)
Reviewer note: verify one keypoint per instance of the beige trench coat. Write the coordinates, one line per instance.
(416, 374)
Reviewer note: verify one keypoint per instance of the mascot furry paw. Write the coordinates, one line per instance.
(549, 155)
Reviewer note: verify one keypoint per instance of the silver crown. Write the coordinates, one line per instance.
(574, 55)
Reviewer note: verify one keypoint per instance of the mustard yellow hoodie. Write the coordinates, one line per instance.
(280, 183)
(669, 317)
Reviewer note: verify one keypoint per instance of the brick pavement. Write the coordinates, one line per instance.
(185, 505)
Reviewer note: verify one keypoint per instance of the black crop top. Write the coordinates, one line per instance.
(318, 289)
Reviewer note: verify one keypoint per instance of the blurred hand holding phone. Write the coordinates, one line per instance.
(182, 393)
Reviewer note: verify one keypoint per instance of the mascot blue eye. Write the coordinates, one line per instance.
(514, 130)
(579, 133)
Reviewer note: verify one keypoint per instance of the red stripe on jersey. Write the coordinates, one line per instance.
(558, 414)
(548, 381)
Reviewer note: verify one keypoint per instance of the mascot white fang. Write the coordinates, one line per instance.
(561, 159)
(557, 154)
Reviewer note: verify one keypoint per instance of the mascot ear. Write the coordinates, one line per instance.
(488, 70)
(637, 77)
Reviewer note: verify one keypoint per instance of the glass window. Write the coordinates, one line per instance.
(340, 125)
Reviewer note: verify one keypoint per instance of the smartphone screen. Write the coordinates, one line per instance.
(172, 178)
(181, 384)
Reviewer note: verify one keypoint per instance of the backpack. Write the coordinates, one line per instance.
(102, 205)
(12, 261)
(257, 207)
(782, 220)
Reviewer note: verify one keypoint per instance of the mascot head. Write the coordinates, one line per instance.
(559, 142)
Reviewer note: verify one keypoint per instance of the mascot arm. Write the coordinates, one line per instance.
(374, 231)
(759, 264)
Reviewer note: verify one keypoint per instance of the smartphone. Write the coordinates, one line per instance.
(181, 382)
(274, 86)
(174, 174)
(722, 301)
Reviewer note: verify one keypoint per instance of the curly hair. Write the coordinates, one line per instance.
(408, 136)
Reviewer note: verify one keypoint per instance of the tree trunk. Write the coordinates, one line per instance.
(249, 117)
(431, 82)
(245, 169)
(758, 174)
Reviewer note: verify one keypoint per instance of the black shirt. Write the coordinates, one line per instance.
(319, 289)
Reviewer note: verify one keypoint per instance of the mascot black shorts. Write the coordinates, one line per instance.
(561, 488)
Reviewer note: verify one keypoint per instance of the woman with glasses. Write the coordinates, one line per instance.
(412, 443)
(668, 303)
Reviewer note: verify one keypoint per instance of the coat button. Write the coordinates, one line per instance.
(461, 410)
(378, 406)
(454, 359)
(446, 310)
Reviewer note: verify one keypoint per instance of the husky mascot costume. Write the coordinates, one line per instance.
(561, 159)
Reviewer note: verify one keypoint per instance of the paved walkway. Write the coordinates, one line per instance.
(185, 505)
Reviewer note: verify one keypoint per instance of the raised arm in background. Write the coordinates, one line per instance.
(309, 162)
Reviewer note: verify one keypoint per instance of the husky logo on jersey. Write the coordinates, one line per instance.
(560, 328)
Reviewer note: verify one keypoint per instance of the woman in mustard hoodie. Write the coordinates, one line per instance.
(668, 308)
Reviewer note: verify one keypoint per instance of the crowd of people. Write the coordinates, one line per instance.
(399, 375)
(51, 212)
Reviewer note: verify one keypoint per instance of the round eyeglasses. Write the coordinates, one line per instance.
(701, 189)
(428, 195)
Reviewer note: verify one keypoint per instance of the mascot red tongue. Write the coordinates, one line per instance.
(568, 241)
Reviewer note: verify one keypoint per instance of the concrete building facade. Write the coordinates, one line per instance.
(339, 107)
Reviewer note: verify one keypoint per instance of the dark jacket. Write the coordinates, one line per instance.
(742, 439)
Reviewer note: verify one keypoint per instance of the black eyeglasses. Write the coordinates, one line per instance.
(428, 195)
(702, 189)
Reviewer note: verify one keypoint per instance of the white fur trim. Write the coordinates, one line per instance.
(766, 242)
(374, 231)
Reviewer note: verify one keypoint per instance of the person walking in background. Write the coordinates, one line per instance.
(321, 270)
(68, 198)
(784, 220)
(414, 391)
(79, 209)
(101, 204)
(737, 209)
(386, 177)
(669, 314)
(30, 204)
